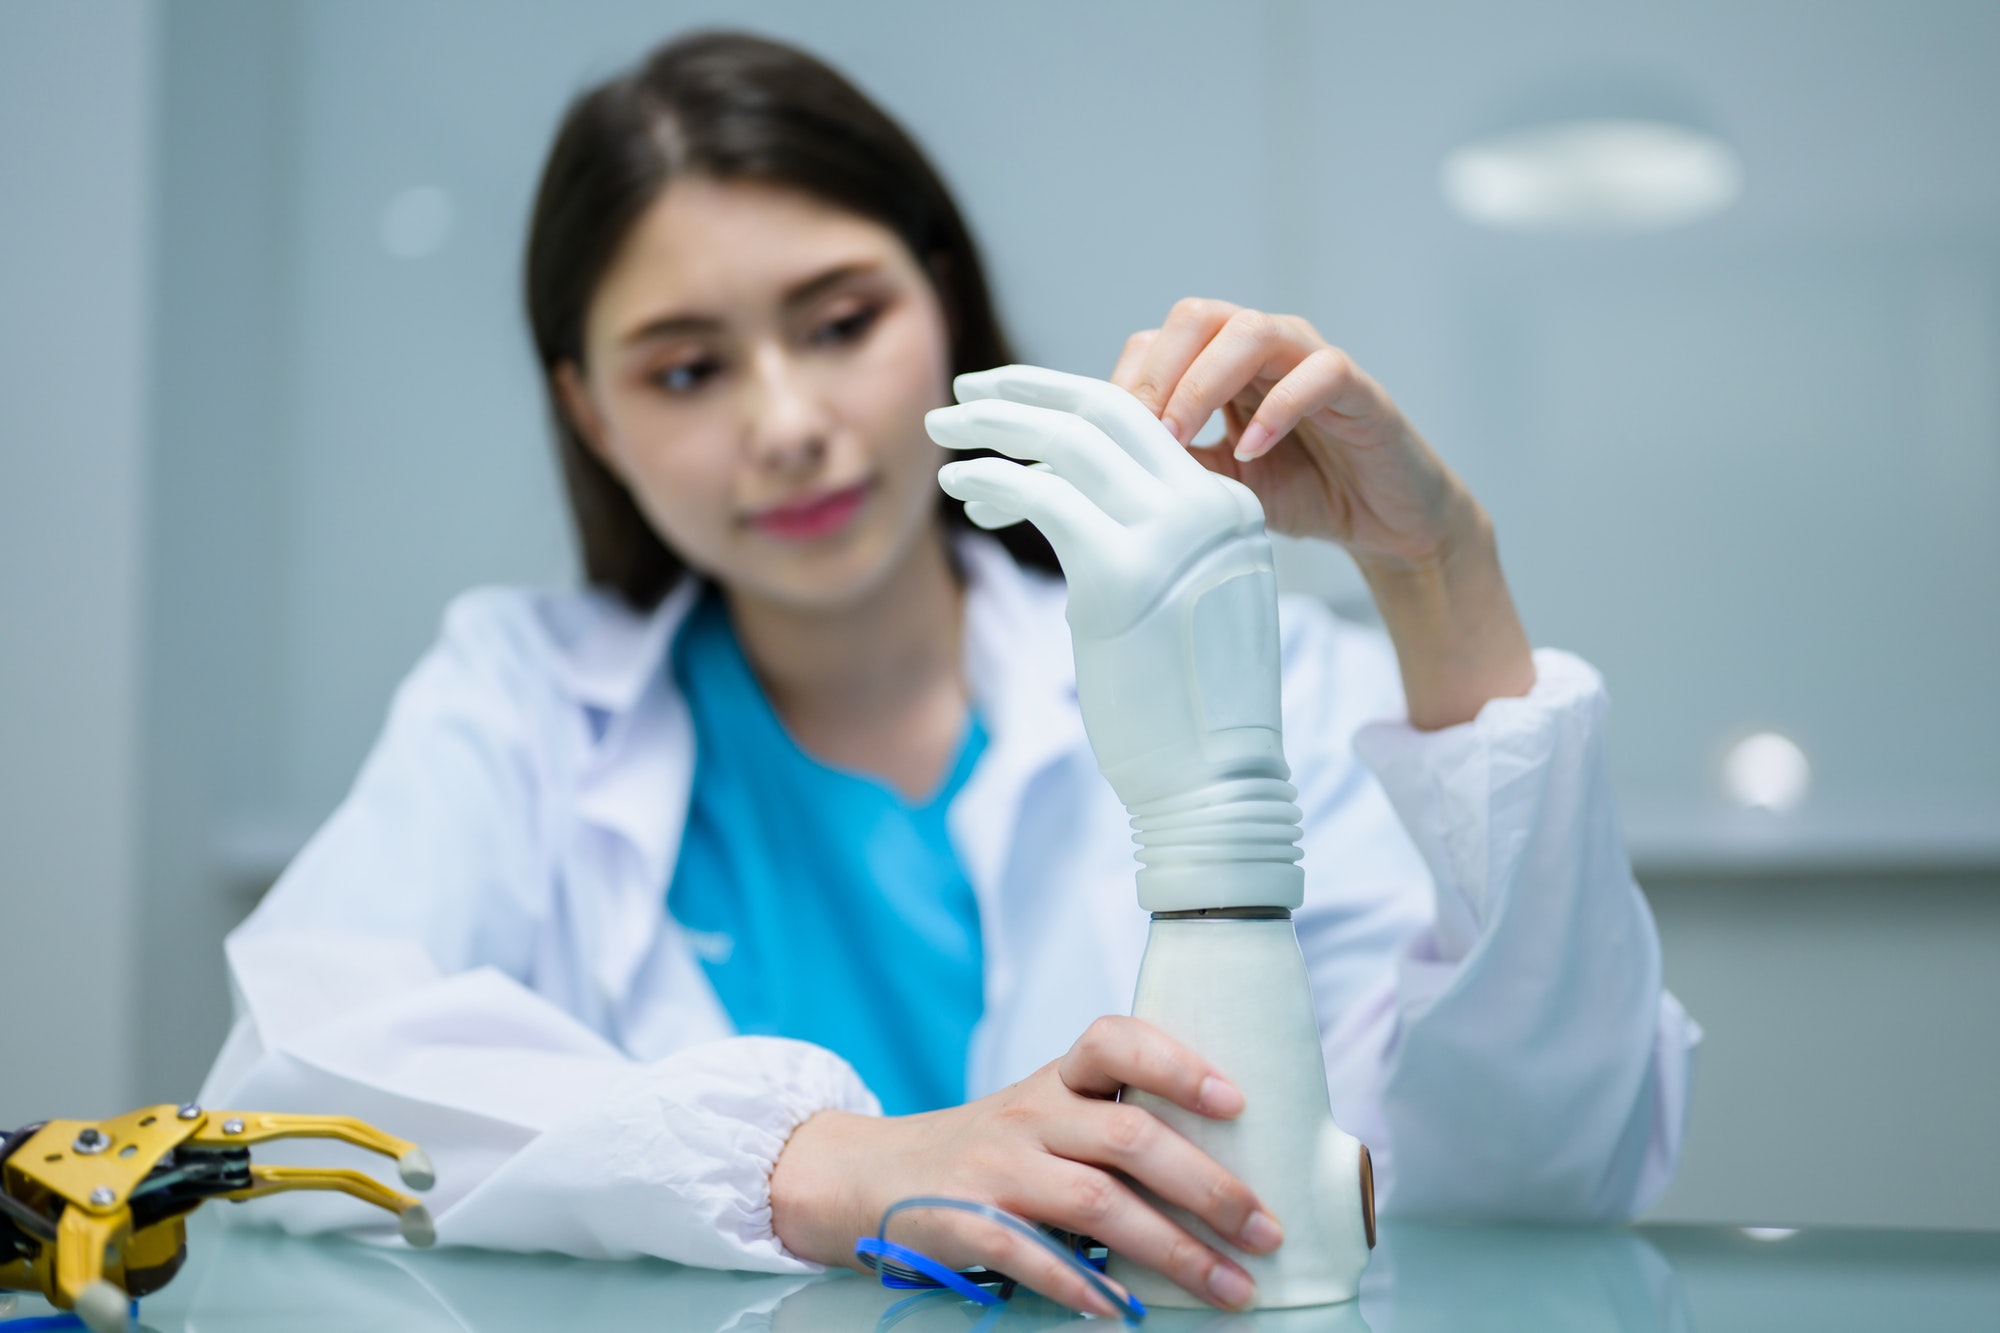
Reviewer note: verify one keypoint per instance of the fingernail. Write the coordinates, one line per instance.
(1262, 1233)
(1231, 1286)
(1251, 442)
(1173, 427)
(1219, 1098)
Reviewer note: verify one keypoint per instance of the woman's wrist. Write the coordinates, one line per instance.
(816, 1207)
(1459, 640)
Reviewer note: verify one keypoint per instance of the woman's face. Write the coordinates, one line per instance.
(757, 368)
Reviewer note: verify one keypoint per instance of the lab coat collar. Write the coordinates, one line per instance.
(1019, 667)
(1018, 660)
(607, 652)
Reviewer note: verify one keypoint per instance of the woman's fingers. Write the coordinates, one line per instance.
(1079, 452)
(1092, 1202)
(1189, 327)
(1250, 350)
(1147, 1150)
(960, 1241)
(1326, 379)
(1117, 1052)
(1126, 373)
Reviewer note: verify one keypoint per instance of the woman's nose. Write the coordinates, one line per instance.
(788, 424)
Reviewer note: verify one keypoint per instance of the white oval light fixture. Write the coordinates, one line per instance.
(1593, 176)
(1767, 772)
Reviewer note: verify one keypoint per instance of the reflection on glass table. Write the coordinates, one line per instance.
(1426, 1278)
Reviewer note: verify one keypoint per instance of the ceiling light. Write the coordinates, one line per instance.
(1593, 176)
(1766, 772)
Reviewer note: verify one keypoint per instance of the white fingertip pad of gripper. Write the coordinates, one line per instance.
(416, 1170)
(417, 1227)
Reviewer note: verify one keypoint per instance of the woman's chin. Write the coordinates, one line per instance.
(832, 574)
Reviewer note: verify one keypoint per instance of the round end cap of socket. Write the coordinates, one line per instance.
(103, 1308)
(417, 1227)
(416, 1170)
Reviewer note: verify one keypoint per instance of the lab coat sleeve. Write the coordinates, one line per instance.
(1510, 1050)
(387, 977)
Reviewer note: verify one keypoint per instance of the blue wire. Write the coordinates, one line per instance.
(903, 1268)
(937, 1273)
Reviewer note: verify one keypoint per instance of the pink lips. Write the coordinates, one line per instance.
(813, 517)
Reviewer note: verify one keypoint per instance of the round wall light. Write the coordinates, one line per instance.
(1767, 772)
(1600, 175)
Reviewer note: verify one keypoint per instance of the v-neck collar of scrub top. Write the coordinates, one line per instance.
(635, 782)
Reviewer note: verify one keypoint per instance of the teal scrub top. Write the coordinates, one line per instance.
(823, 905)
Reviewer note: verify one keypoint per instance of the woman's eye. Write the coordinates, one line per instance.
(846, 329)
(688, 376)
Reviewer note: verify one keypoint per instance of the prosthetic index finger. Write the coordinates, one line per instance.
(1076, 450)
(1075, 527)
(1101, 403)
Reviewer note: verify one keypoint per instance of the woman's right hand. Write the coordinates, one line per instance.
(1054, 1148)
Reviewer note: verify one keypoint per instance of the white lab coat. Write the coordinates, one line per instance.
(474, 951)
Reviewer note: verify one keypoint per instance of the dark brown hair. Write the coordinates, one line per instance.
(727, 106)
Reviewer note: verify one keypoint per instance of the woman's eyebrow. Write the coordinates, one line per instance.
(798, 294)
(672, 326)
(820, 283)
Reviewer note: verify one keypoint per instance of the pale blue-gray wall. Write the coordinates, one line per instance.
(76, 88)
(1750, 468)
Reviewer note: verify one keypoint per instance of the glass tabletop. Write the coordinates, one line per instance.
(1424, 1277)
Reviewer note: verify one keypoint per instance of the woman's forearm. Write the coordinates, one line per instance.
(1459, 641)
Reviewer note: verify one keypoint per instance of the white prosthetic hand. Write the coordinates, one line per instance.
(1173, 607)
(1173, 610)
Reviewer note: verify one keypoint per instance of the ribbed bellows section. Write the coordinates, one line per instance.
(1232, 843)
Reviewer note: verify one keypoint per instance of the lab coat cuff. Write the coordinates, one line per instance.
(674, 1163)
(830, 1084)
(1459, 789)
(749, 1096)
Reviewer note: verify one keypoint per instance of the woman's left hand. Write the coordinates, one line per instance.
(1330, 455)
(1326, 450)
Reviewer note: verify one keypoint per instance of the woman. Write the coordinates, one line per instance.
(653, 896)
